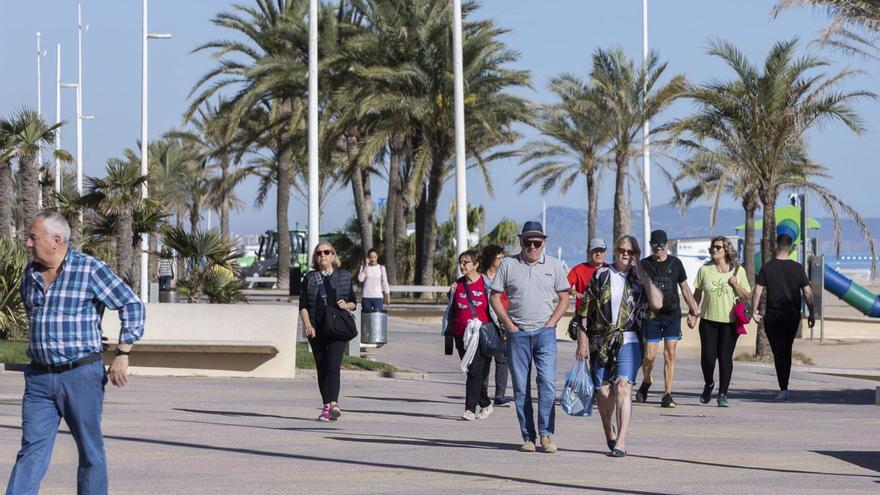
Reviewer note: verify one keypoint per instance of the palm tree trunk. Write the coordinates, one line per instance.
(195, 215)
(750, 206)
(620, 222)
(75, 231)
(48, 191)
(392, 230)
(361, 206)
(224, 201)
(154, 262)
(123, 247)
(768, 241)
(28, 186)
(426, 214)
(6, 198)
(283, 223)
(592, 207)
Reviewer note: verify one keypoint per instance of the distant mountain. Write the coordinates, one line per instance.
(567, 228)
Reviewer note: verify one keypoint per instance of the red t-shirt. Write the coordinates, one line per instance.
(462, 310)
(579, 279)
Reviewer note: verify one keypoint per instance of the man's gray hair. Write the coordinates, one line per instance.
(56, 224)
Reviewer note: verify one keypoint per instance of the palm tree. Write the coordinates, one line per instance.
(855, 24)
(577, 133)
(203, 251)
(13, 260)
(7, 152)
(758, 121)
(29, 133)
(630, 96)
(269, 68)
(118, 194)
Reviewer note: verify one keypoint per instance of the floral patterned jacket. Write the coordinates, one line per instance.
(606, 338)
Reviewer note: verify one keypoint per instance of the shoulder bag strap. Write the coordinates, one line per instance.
(469, 298)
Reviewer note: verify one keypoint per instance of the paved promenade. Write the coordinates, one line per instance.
(247, 436)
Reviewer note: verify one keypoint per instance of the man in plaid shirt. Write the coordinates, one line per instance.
(65, 293)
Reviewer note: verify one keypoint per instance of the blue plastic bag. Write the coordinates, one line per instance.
(577, 394)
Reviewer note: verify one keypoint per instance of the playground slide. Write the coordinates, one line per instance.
(852, 293)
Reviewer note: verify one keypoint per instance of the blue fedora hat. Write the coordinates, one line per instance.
(531, 230)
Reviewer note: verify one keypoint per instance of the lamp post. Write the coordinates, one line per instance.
(646, 145)
(57, 116)
(461, 228)
(314, 190)
(40, 54)
(145, 257)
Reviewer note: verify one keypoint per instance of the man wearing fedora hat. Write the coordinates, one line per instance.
(538, 290)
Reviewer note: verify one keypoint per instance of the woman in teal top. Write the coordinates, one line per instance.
(719, 284)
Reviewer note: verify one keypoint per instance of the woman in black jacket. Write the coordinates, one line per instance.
(325, 284)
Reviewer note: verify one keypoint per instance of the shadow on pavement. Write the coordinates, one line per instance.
(400, 399)
(245, 414)
(851, 397)
(863, 458)
(314, 429)
(357, 462)
(401, 413)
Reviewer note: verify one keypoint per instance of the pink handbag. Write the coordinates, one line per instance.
(742, 314)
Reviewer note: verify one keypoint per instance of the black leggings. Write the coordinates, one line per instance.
(717, 342)
(501, 373)
(328, 360)
(780, 334)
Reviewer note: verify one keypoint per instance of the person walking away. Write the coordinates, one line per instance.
(326, 284)
(720, 283)
(579, 276)
(784, 279)
(668, 274)
(374, 282)
(166, 270)
(617, 299)
(65, 293)
(490, 259)
(538, 290)
(468, 301)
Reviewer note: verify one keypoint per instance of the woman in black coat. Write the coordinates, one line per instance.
(325, 284)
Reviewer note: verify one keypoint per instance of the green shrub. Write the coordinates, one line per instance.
(13, 260)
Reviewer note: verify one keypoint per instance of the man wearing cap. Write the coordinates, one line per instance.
(537, 290)
(668, 274)
(579, 276)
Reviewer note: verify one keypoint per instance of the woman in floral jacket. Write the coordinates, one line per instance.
(617, 298)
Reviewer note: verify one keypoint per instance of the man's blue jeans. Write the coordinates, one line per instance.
(78, 397)
(523, 347)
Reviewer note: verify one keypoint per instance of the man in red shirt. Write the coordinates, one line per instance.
(579, 276)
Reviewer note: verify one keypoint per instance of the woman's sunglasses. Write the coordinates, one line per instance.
(324, 252)
(630, 252)
(715, 248)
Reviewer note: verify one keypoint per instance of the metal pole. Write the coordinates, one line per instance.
(79, 110)
(461, 227)
(57, 116)
(145, 279)
(40, 113)
(314, 189)
(646, 145)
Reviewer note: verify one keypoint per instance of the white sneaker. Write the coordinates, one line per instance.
(485, 412)
(468, 416)
(782, 395)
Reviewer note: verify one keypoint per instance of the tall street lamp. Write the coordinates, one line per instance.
(145, 257)
(40, 54)
(79, 95)
(314, 190)
(461, 228)
(646, 144)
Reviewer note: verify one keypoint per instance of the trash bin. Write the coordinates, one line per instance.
(168, 296)
(374, 327)
(295, 280)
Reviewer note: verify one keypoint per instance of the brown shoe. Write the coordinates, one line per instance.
(548, 445)
(527, 446)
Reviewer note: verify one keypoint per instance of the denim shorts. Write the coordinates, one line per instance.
(657, 330)
(629, 360)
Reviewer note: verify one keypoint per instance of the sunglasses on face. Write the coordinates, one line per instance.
(324, 252)
(657, 245)
(715, 248)
(533, 243)
(629, 252)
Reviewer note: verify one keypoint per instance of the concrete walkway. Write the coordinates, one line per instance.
(249, 436)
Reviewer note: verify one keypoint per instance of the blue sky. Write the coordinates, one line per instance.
(553, 36)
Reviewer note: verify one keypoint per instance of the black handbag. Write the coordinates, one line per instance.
(490, 337)
(574, 326)
(339, 323)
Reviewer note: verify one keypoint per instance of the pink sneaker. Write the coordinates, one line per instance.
(335, 413)
(325, 415)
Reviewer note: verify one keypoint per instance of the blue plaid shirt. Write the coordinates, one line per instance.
(65, 318)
